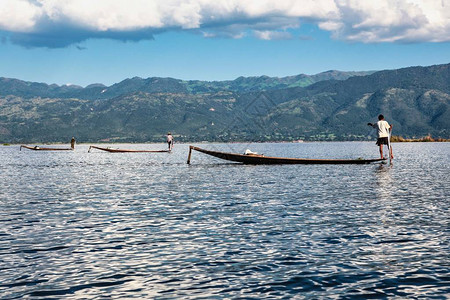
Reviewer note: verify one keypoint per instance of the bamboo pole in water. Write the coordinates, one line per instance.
(189, 156)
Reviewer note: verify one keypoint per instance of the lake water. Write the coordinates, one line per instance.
(147, 225)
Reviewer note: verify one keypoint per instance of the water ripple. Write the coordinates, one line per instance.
(101, 225)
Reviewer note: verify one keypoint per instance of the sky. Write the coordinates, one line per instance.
(106, 41)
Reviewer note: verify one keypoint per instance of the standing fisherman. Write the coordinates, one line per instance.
(72, 143)
(170, 141)
(383, 133)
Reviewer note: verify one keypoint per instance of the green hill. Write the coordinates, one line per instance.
(416, 100)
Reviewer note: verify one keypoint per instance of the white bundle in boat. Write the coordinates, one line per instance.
(248, 152)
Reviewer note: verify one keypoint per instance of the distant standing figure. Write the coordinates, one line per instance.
(72, 143)
(383, 133)
(170, 141)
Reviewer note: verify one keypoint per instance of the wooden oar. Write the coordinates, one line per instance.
(389, 145)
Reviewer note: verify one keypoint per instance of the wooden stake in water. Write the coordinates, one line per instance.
(189, 156)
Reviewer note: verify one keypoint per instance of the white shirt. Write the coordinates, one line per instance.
(382, 128)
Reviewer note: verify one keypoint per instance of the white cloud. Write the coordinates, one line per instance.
(352, 20)
(273, 35)
(392, 21)
(18, 15)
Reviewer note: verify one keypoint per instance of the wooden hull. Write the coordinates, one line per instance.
(126, 150)
(37, 148)
(267, 160)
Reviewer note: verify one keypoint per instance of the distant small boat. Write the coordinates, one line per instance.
(258, 159)
(37, 148)
(108, 149)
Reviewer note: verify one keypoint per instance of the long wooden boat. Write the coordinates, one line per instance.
(37, 148)
(125, 150)
(257, 159)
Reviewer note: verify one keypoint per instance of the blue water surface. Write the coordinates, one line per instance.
(77, 225)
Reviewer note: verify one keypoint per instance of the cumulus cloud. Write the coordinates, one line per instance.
(58, 23)
(391, 21)
(273, 35)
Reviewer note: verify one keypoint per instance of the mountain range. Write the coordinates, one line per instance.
(331, 105)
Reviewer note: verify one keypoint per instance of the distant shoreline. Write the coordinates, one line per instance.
(394, 139)
(425, 139)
